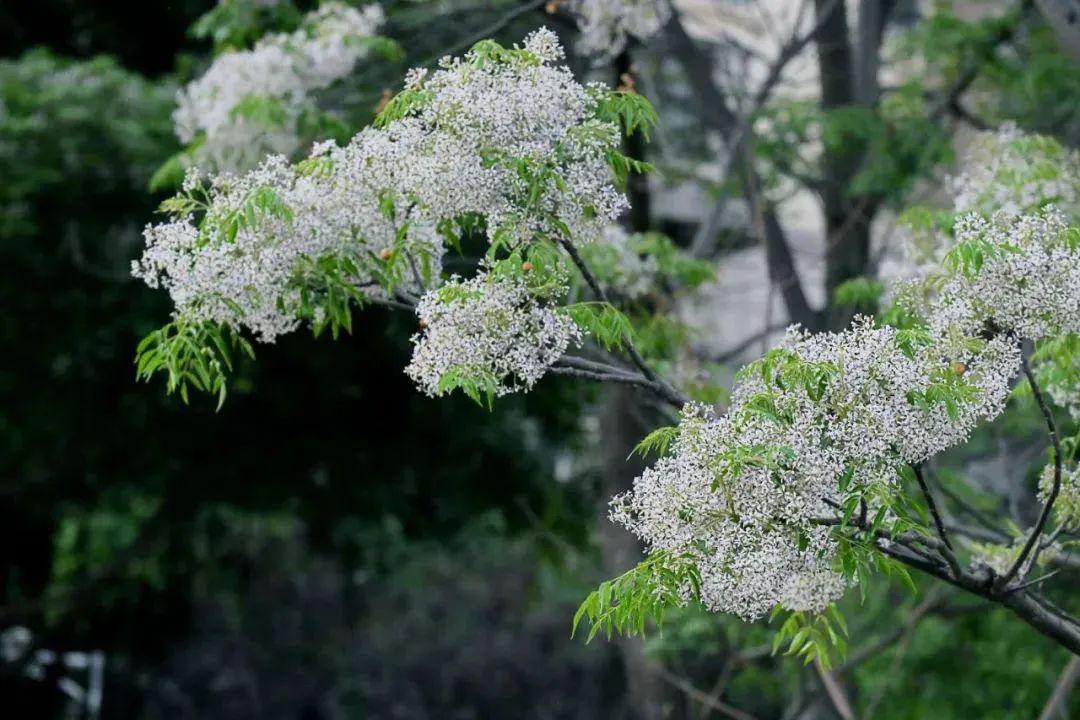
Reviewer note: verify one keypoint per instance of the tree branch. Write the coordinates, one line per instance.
(952, 97)
(704, 698)
(1034, 610)
(669, 393)
(1031, 546)
(718, 116)
(1056, 703)
(835, 692)
(947, 552)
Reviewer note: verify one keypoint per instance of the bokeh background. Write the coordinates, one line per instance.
(331, 544)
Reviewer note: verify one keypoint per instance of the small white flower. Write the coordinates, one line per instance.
(322, 148)
(414, 78)
(545, 45)
(1027, 281)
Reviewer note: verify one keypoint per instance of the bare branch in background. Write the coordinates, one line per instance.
(1055, 705)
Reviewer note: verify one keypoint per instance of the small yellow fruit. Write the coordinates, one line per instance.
(959, 368)
(526, 266)
(385, 254)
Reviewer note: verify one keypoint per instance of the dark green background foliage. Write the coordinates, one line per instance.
(332, 544)
(124, 513)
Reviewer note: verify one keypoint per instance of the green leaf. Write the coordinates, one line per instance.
(190, 353)
(657, 441)
(603, 321)
(860, 293)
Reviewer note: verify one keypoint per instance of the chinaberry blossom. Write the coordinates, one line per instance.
(742, 494)
(515, 138)
(502, 141)
(606, 25)
(1017, 273)
(830, 417)
(731, 529)
(1003, 172)
(251, 259)
(1010, 171)
(248, 103)
(488, 327)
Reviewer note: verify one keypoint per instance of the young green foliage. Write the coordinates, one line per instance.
(627, 604)
(196, 354)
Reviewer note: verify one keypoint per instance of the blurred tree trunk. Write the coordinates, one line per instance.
(646, 693)
(637, 190)
(716, 115)
(848, 215)
(620, 430)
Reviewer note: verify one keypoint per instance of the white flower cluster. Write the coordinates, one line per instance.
(501, 134)
(487, 327)
(812, 591)
(1017, 273)
(244, 264)
(248, 103)
(515, 140)
(830, 417)
(740, 493)
(606, 25)
(1010, 171)
(745, 554)
(1012, 261)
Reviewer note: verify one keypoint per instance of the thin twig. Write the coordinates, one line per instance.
(901, 651)
(416, 272)
(929, 604)
(835, 692)
(704, 698)
(976, 514)
(559, 368)
(745, 344)
(1031, 546)
(1055, 705)
(1032, 583)
(392, 304)
(742, 129)
(947, 552)
(670, 394)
